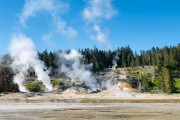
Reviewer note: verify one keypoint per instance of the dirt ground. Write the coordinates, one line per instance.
(98, 106)
(101, 97)
(74, 111)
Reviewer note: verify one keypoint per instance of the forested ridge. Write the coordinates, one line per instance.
(166, 62)
(125, 57)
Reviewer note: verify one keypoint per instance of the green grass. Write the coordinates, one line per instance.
(38, 86)
(146, 70)
(35, 86)
(56, 82)
(155, 82)
(177, 83)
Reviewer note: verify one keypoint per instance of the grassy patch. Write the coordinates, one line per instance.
(35, 86)
(56, 82)
(155, 82)
(177, 83)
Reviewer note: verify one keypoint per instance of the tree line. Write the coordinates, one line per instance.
(166, 60)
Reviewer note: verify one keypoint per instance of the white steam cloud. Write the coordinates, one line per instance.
(71, 65)
(52, 7)
(24, 55)
(95, 12)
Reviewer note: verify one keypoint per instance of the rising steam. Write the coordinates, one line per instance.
(71, 64)
(24, 55)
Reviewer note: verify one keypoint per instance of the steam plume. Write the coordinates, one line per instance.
(71, 65)
(24, 55)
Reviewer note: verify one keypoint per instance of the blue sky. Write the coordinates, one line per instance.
(64, 24)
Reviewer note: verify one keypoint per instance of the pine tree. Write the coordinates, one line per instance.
(168, 82)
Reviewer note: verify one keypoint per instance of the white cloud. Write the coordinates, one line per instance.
(62, 28)
(101, 36)
(32, 7)
(52, 7)
(94, 14)
(98, 10)
(47, 38)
